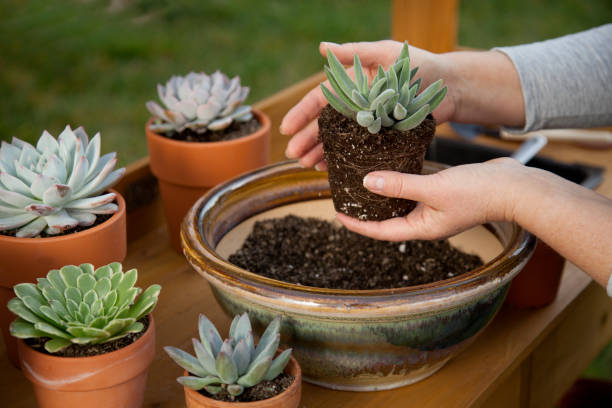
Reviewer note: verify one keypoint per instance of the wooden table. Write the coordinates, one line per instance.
(524, 358)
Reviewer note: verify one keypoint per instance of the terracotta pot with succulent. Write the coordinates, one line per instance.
(202, 136)
(89, 337)
(382, 125)
(233, 372)
(56, 208)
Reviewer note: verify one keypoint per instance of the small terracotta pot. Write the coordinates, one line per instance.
(186, 170)
(25, 259)
(115, 379)
(538, 284)
(290, 398)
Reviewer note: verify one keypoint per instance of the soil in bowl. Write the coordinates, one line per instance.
(89, 350)
(351, 152)
(262, 391)
(234, 131)
(315, 252)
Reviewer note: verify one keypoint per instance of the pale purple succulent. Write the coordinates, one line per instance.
(57, 185)
(199, 102)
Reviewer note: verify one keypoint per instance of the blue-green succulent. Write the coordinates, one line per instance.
(392, 99)
(232, 364)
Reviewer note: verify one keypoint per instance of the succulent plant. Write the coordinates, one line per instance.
(56, 185)
(233, 364)
(391, 100)
(199, 102)
(80, 305)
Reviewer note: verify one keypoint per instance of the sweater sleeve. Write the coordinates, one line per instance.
(567, 81)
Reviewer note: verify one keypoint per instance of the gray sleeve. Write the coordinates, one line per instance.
(567, 81)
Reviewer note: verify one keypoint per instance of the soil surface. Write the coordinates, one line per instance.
(234, 131)
(351, 152)
(77, 350)
(100, 218)
(314, 252)
(261, 391)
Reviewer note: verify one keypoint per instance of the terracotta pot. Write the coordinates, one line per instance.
(25, 259)
(186, 170)
(538, 284)
(354, 340)
(115, 379)
(290, 398)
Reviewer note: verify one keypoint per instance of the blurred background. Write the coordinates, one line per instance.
(96, 62)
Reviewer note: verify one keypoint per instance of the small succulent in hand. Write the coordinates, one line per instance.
(56, 185)
(80, 305)
(199, 102)
(233, 364)
(391, 99)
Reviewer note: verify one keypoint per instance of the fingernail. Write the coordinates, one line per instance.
(287, 154)
(281, 131)
(373, 182)
(317, 167)
(330, 43)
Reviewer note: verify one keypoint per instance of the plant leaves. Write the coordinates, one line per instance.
(186, 361)
(414, 120)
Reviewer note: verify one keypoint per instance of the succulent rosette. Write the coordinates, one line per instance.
(81, 305)
(232, 364)
(199, 102)
(392, 99)
(57, 185)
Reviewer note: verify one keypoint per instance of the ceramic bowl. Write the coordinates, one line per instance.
(359, 340)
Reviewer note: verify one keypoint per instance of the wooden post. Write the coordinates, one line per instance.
(431, 24)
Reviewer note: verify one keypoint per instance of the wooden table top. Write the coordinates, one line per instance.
(517, 341)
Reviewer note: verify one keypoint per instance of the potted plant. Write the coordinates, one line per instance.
(382, 125)
(56, 208)
(350, 339)
(235, 372)
(202, 136)
(89, 336)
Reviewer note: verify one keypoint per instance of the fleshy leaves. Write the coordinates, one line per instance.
(80, 305)
(234, 363)
(390, 100)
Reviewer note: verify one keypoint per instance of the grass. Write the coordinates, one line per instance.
(85, 63)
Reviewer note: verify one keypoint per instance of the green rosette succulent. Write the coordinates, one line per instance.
(392, 99)
(57, 185)
(199, 102)
(232, 364)
(80, 305)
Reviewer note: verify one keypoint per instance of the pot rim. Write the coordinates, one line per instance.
(293, 365)
(124, 350)
(76, 235)
(263, 119)
(206, 261)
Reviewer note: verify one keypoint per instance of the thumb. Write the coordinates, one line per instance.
(399, 185)
(370, 53)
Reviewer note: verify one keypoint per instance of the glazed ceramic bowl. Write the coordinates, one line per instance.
(360, 340)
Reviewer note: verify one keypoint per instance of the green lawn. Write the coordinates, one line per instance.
(82, 63)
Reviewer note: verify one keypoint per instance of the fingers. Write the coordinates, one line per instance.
(399, 185)
(303, 141)
(370, 53)
(394, 229)
(321, 166)
(312, 157)
(301, 114)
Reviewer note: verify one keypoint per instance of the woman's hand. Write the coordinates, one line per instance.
(301, 120)
(450, 201)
